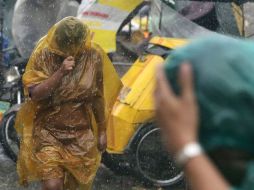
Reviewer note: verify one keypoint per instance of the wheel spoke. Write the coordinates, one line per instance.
(154, 162)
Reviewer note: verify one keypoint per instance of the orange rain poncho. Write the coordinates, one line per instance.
(58, 134)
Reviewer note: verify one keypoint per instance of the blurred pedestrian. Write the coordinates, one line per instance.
(65, 88)
(204, 101)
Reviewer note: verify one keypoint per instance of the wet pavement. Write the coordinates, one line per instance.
(105, 180)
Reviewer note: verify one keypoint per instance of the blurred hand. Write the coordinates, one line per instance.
(102, 140)
(177, 115)
(67, 65)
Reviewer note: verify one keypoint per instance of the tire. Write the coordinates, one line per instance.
(116, 163)
(9, 137)
(154, 165)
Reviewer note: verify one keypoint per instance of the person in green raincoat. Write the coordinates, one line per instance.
(204, 101)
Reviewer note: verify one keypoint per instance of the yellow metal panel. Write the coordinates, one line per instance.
(126, 117)
(104, 18)
(120, 128)
(129, 114)
(131, 76)
(145, 101)
(122, 133)
(126, 5)
(99, 38)
(142, 81)
(135, 70)
(171, 43)
(135, 103)
(123, 126)
(143, 116)
(124, 111)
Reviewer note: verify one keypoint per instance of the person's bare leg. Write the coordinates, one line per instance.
(52, 184)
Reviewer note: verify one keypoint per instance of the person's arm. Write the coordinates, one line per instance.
(98, 107)
(99, 113)
(203, 175)
(98, 104)
(178, 118)
(45, 89)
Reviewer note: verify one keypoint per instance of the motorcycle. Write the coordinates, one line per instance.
(11, 98)
(12, 66)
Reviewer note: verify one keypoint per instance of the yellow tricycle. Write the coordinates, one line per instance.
(134, 143)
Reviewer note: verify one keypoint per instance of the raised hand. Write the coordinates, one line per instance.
(67, 65)
(177, 115)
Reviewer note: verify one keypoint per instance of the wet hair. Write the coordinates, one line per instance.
(70, 31)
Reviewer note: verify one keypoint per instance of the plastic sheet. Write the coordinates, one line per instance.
(33, 18)
(165, 21)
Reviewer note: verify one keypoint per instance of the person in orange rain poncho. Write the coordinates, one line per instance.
(70, 85)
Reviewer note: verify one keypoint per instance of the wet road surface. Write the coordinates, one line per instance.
(105, 179)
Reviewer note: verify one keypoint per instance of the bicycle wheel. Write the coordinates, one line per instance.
(9, 137)
(154, 164)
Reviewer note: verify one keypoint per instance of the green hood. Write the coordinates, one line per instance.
(224, 85)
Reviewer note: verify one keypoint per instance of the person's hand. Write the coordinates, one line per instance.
(67, 65)
(177, 115)
(102, 140)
